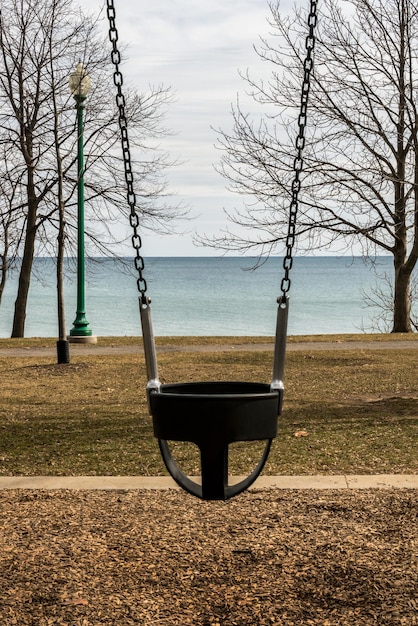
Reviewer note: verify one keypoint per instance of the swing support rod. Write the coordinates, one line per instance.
(149, 345)
(277, 383)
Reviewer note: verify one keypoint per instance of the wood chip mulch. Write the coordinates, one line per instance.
(164, 558)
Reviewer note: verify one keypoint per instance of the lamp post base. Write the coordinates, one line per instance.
(80, 332)
(82, 338)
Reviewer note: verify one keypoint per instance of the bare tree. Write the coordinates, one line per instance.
(360, 182)
(63, 351)
(41, 41)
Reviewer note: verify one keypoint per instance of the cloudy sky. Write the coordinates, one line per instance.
(196, 48)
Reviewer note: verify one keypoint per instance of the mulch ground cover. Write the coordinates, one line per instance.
(267, 557)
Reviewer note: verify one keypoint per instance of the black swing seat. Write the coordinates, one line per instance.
(213, 415)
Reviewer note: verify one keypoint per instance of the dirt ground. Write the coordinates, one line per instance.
(271, 557)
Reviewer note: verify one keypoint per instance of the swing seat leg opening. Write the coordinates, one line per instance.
(212, 416)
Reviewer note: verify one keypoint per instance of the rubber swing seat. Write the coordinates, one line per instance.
(213, 415)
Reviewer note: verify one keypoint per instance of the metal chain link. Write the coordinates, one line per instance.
(126, 154)
(299, 144)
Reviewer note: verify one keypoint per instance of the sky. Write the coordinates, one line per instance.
(197, 48)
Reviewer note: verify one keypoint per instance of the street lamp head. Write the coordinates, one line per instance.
(80, 82)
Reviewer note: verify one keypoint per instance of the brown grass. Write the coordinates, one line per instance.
(359, 409)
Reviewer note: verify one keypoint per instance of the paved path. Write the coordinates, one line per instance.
(381, 481)
(136, 347)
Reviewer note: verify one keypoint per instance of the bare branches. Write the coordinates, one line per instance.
(360, 172)
(358, 139)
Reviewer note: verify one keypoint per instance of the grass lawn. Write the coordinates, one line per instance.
(358, 408)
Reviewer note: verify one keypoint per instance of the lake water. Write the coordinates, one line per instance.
(204, 296)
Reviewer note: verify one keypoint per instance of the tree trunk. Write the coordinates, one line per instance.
(24, 280)
(402, 300)
(27, 260)
(3, 275)
(63, 349)
(60, 277)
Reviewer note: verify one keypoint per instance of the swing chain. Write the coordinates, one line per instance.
(299, 144)
(126, 153)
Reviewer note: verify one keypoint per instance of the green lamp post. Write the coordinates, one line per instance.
(80, 84)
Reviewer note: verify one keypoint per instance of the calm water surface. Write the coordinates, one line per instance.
(204, 296)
